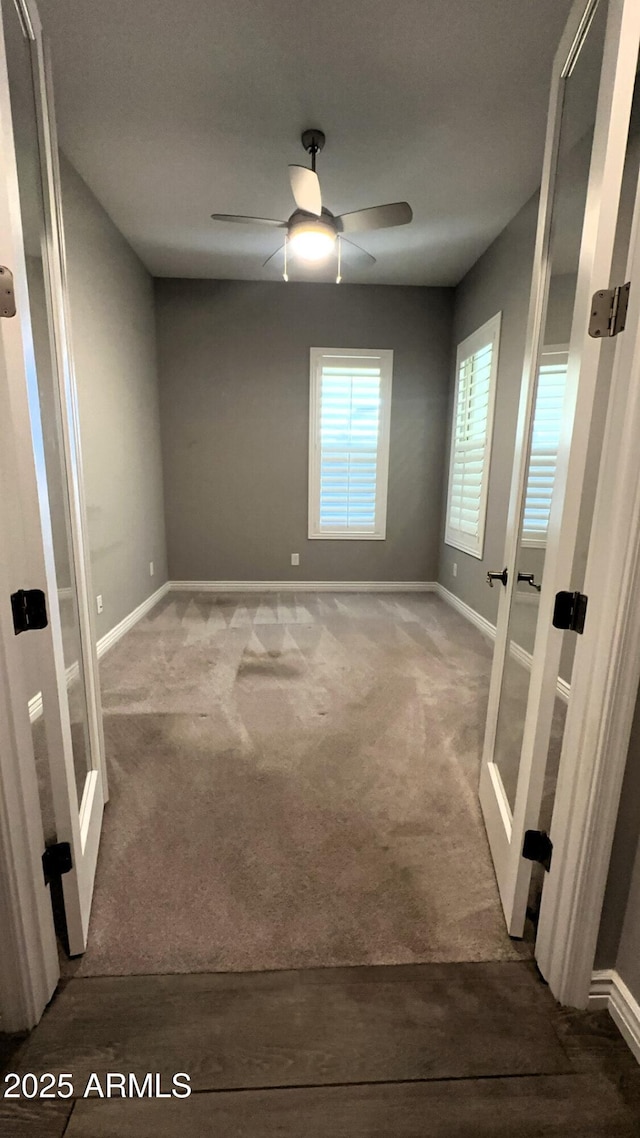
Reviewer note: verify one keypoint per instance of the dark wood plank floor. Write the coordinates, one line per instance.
(410, 1051)
(503, 1108)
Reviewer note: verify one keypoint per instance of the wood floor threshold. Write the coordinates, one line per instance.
(373, 1083)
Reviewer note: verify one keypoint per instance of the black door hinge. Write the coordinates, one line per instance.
(570, 611)
(56, 860)
(609, 311)
(538, 847)
(29, 609)
(7, 295)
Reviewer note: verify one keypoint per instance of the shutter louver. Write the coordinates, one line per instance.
(349, 433)
(349, 442)
(545, 440)
(468, 475)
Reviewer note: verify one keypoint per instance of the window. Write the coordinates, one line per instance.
(545, 439)
(476, 369)
(349, 443)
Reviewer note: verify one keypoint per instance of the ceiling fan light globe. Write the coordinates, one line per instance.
(312, 241)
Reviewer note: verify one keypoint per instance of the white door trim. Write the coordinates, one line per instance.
(608, 990)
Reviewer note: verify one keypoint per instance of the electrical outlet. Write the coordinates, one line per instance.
(99, 602)
(151, 570)
(295, 558)
(455, 569)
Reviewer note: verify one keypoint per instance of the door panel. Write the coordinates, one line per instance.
(577, 127)
(62, 673)
(622, 244)
(561, 409)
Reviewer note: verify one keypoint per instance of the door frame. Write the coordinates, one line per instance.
(604, 685)
(29, 968)
(78, 818)
(506, 828)
(23, 996)
(85, 834)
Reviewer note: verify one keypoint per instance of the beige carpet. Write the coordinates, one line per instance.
(294, 784)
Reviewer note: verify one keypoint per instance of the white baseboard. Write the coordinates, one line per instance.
(117, 632)
(104, 644)
(462, 607)
(304, 586)
(608, 990)
(488, 629)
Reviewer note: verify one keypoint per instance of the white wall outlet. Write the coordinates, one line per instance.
(295, 558)
(455, 569)
(99, 602)
(151, 569)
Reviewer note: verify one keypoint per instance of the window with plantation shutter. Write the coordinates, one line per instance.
(545, 439)
(476, 369)
(349, 442)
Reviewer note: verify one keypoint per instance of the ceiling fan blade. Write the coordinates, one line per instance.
(241, 220)
(279, 250)
(360, 254)
(376, 217)
(306, 189)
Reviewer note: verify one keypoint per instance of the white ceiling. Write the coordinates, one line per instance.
(174, 109)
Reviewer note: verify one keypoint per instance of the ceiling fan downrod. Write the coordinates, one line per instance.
(313, 141)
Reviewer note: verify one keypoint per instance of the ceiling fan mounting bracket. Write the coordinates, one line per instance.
(313, 141)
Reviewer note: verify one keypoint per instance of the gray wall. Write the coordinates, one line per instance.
(499, 282)
(628, 958)
(234, 382)
(113, 335)
(622, 898)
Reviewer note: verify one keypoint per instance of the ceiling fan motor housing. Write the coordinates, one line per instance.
(301, 220)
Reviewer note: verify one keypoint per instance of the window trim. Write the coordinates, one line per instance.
(316, 356)
(488, 333)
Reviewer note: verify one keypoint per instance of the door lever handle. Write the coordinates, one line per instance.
(530, 579)
(491, 577)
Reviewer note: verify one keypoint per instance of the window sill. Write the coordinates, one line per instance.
(463, 548)
(347, 537)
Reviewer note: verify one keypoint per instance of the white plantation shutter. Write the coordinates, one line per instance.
(349, 443)
(545, 439)
(476, 368)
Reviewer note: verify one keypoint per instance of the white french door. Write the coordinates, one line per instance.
(590, 152)
(44, 539)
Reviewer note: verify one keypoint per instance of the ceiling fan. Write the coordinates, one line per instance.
(312, 231)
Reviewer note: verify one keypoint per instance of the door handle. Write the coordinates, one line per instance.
(491, 577)
(530, 579)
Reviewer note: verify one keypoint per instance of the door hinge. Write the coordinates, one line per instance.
(29, 607)
(609, 311)
(538, 847)
(570, 611)
(56, 860)
(7, 295)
